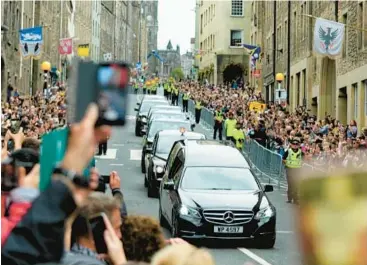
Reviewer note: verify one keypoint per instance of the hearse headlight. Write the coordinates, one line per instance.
(264, 213)
(189, 212)
(159, 169)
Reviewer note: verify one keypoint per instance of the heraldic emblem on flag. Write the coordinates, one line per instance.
(66, 46)
(328, 37)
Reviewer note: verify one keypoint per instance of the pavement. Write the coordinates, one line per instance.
(123, 156)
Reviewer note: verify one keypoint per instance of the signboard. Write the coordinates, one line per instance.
(257, 106)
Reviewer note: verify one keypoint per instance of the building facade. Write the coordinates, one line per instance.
(107, 28)
(171, 59)
(187, 63)
(96, 30)
(223, 27)
(333, 87)
(151, 16)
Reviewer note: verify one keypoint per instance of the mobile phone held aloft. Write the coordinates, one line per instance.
(98, 227)
(112, 86)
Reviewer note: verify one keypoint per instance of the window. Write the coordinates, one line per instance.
(201, 24)
(302, 22)
(365, 97)
(213, 41)
(237, 8)
(236, 37)
(360, 22)
(294, 39)
(345, 21)
(355, 91)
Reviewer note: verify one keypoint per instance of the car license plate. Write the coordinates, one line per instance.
(228, 229)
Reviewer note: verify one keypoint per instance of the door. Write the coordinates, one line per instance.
(173, 194)
(164, 194)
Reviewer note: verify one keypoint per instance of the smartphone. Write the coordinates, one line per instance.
(333, 219)
(98, 228)
(112, 86)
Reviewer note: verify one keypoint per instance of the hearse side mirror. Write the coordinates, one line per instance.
(169, 185)
(268, 188)
(136, 109)
(138, 103)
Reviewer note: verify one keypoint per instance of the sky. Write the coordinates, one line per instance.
(172, 13)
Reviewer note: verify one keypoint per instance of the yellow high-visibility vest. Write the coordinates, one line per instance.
(198, 105)
(239, 137)
(294, 159)
(218, 116)
(230, 126)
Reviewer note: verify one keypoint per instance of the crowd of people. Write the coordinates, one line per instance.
(54, 226)
(326, 143)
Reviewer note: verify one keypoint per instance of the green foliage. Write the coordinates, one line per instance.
(177, 73)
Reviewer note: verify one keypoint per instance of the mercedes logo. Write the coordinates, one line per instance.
(228, 217)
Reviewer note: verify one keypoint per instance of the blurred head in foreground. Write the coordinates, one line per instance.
(142, 237)
(183, 254)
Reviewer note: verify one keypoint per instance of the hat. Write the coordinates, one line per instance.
(294, 141)
(25, 157)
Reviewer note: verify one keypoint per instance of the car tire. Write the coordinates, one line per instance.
(143, 170)
(145, 180)
(265, 242)
(137, 132)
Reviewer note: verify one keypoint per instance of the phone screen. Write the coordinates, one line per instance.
(333, 219)
(112, 82)
(98, 227)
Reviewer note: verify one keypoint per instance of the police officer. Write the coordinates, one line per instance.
(218, 123)
(154, 89)
(230, 126)
(165, 86)
(185, 101)
(198, 108)
(292, 159)
(175, 93)
(238, 136)
(169, 91)
(144, 88)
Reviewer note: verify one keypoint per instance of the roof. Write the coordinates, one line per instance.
(212, 153)
(171, 120)
(169, 45)
(178, 133)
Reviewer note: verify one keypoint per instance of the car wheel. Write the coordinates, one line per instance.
(137, 132)
(145, 180)
(265, 242)
(143, 170)
(162, 219)
(174, 227)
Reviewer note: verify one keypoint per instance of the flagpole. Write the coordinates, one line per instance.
(345, 25)
(32, 59)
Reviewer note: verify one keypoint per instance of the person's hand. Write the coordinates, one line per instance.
(93, 179)
(114, 245)
(32, 180)
(175, 241)
(115, 182)
(83, 139)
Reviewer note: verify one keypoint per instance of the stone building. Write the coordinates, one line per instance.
(336, 87)
(151, 18)
(224, 27)
(96, 30)
(171, 59)
(187, 63)
(107, 27)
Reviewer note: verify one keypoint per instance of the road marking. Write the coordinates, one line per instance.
(285, 232)
(254, 256)
(118, 145)
(111, 154)
(135, 155)
(117, 165)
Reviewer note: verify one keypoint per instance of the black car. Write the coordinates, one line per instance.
(208, 191)
(142, 112)
(156, 158)
(155, 126)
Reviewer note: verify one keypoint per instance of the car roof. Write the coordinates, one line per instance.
(178, 133)
(147, 97)
(207, 153)
(167, 111)
(165, 106)
(170, 120)
(155, 101)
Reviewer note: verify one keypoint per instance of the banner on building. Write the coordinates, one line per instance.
(83, 50)
(107, 56)
(257, 106)
(254, 52)
(31, 42)
(66, 46)
(328, 38)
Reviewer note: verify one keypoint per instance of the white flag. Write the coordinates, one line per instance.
(328, 38)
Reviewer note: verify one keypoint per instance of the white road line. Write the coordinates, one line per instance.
(254, 256)
(285, 232)
(119, 165)
(135, 155)
(111, 154)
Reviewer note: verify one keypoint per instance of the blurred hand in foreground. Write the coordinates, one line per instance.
(115, 181)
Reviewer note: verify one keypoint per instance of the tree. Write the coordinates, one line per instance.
(177, 73)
